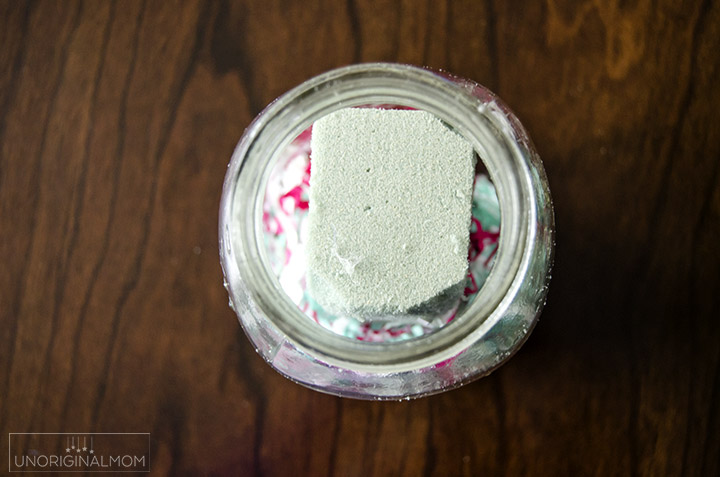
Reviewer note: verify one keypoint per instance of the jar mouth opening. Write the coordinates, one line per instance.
(483, 122)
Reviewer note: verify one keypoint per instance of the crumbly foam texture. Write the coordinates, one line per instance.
(390, 209)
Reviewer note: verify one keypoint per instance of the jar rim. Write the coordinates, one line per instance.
(486, 123)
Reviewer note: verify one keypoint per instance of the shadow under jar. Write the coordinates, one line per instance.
(483, 332)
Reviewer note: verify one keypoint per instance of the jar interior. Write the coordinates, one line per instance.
(284, 232)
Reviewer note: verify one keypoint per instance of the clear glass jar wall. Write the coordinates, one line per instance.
(483, 334)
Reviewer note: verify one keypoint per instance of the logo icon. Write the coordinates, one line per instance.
(79, 452)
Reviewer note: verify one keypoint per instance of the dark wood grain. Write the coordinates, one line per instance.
(118, 118)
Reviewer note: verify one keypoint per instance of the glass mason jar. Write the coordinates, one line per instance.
(484, 334)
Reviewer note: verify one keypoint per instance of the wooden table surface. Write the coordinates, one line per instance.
(117, 121)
